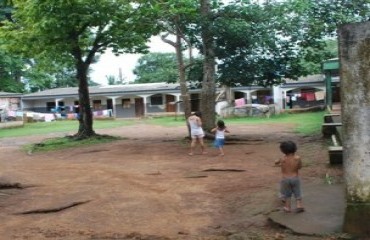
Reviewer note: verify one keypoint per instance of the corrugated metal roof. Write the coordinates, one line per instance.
(9, 94)
(112, 89)
(307, 79)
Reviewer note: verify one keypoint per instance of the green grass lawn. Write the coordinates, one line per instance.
(40, 128)
(305, 123)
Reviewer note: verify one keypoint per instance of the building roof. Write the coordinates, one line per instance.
(304, 81)
(151, 88)
(9, 94)
(106, 90)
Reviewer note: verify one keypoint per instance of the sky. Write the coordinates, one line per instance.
(109, 64)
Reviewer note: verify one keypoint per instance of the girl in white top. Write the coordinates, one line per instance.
(220, 131)
(196, 132)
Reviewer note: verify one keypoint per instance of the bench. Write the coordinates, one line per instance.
(329, 129)
(331, 117)
(335, 151)
(335, 154)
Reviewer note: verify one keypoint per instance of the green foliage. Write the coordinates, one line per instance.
(265, 43)
(112, 80)
(11, 69)
(74, 32)
(5, 10)
(157, 67)
(63, 32)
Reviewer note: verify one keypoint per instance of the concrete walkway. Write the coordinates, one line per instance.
(324, 211)
(11, 124)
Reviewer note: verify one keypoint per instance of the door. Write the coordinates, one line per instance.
(170, 103)
(139, 107)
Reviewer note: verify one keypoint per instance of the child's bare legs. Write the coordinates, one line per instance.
(192, 146)
(287, 205)
(202, 145)
(194, 143)
(299, 203)
(221, 151)
(300, 207)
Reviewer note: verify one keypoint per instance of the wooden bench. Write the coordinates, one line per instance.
(331, 117)
(329, 129)
(335, 154)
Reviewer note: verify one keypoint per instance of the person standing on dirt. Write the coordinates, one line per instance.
(196, 132)
(290, 183)
(220, 131)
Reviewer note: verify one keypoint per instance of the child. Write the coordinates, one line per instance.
(219, 131)
(290, 183)
(196, 132)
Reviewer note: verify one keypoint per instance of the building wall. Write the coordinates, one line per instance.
(9, 103)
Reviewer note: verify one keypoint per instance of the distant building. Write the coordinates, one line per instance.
(143, 100)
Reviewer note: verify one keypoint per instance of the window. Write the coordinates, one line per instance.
(126, 103)
(156, 99)
(50, 106)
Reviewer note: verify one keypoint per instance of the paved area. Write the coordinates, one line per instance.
(11, 124)
(324, 211)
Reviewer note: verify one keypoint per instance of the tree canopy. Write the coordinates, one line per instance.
(74, 32)
(157, 67)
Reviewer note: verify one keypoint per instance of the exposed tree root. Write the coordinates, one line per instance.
(223, 170)
(197, 176)
(78, 137)
(11, 186)
(53, 210)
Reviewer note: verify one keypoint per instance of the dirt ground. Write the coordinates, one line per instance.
(147, 187)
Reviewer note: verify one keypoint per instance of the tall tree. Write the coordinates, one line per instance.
(176, 21)
(10, 73)
(207, 101)
(77, 31)
(156, 67)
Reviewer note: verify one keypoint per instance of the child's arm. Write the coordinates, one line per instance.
(199, 122)
(299, 162)
(214, 129)
(227, 130)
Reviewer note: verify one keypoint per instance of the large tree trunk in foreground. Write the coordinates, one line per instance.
(207, 102)
(354, 42)
(85, 129)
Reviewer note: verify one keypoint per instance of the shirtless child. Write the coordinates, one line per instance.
(290, 183)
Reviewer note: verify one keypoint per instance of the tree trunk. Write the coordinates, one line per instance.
(354, 46)
(182, 78)
(207, 102)
(85, 118)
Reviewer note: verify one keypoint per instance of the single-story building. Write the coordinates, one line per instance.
(123, 101)
(142, 100)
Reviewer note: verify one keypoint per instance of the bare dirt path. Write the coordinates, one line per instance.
(147, 187)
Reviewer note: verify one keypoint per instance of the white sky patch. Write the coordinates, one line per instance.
(109, 64)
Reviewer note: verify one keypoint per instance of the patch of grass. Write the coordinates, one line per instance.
(67, 126)
(166, 121)
(68, 142)
(305, 123)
